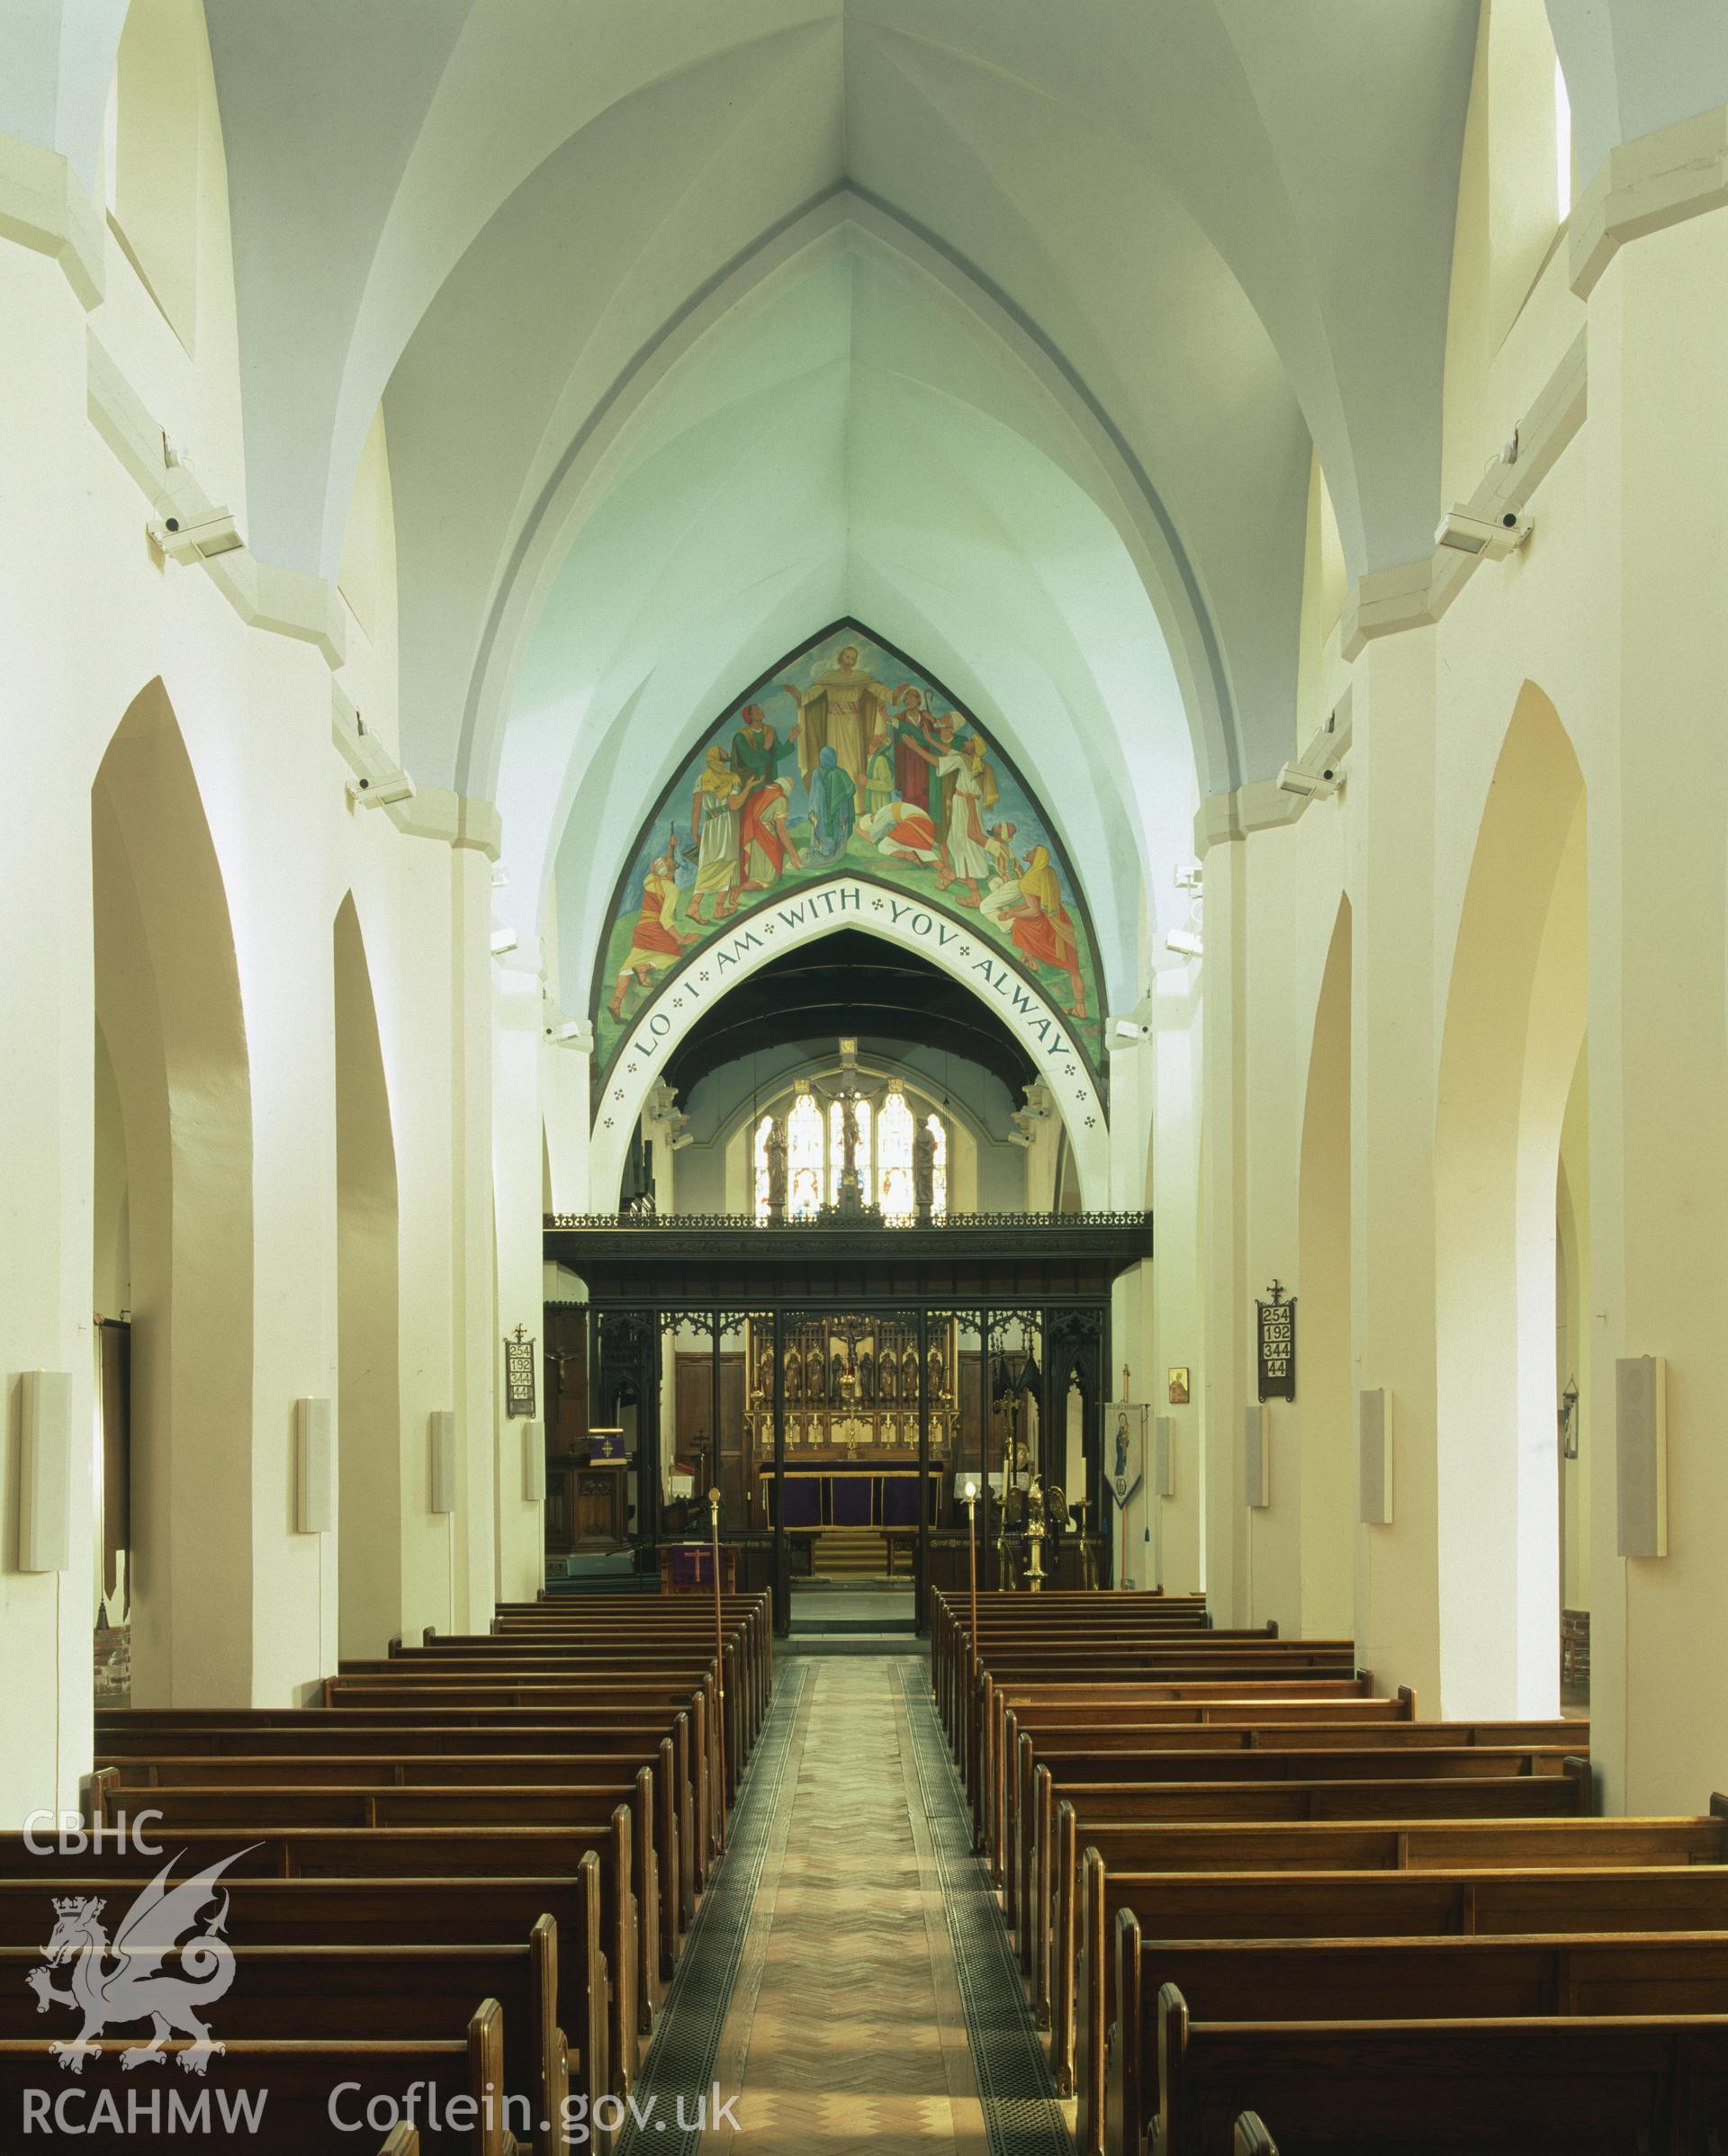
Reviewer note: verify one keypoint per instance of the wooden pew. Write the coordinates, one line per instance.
(133, 1733)
(1279, 1733)
(1335, 1694)
(398, 1994)
(1583, 1875)
(396, 1914)
(424, 1690)
(746, 1620)
(1416, 1802)
(1578, 2087)
(502, 1661)
(1028, 1803)
(125, 1783)
(606, 1634)
(297, 2080)
(1416, 1979)
(1032, 1706)
(629, 1892)
(1340, 1905)
(400, 1853)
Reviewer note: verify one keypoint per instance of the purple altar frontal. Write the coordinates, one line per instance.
(851, 1497)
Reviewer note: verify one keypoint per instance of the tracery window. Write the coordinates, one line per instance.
(895, 1129)
(803, 1157)
(815, 1156)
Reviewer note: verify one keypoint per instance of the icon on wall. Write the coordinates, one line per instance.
(1179, 1386)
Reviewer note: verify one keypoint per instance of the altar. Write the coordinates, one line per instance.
(845, 1494)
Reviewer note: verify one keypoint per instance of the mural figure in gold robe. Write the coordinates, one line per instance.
(843, 710)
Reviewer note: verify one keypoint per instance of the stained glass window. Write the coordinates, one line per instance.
(815, 1157)
(893, 1129)
(836, 1149)
(939, 1177)
(804, 1161)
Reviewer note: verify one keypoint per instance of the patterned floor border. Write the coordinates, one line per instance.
(679, 2063)
(1021, 2112)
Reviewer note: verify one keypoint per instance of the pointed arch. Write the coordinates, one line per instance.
(1326, 1411)
(1517, 1011)
(169, 1005)
(368, 1408)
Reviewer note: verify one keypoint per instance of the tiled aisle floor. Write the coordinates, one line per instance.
(845, 2029)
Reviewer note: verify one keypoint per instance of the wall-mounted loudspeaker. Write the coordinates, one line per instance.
(1163, 1455)
(444, 1459)
(534, 1464)
(314, 1477)
(1374, 1458)
(1256, 1455)
(1641, 1430)
(45, 1473)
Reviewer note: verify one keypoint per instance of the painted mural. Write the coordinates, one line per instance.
(846, 758)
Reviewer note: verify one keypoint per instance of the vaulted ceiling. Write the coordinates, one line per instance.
(1010, 330)
(1007, 328)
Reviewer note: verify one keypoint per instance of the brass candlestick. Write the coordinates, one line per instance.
(1035, 1537)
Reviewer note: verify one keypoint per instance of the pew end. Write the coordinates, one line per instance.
(1585, 1782)
(1090, 2062)
(486, 2082)
(1250, 2137)
(1124, 2123)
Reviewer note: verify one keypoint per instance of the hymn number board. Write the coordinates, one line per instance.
(1277, 1344)
(519, 1373)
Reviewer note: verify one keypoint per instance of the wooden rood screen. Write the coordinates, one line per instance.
(1258, 1899)
(472, 1867)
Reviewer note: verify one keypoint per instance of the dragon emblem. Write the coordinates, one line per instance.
(115, 1984)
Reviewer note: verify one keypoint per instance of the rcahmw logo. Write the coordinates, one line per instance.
(120, 1983)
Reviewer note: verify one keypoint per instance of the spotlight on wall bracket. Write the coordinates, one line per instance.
(383, 791)
(1184, 943)
(196, 535)
(1491, 537)
(503, 942)
(574, 1033)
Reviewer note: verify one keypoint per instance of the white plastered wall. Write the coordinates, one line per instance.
(91, 616)
(1613, 614)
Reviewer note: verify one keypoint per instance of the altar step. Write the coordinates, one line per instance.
(849, 1553)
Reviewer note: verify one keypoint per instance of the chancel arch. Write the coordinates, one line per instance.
(1516, 1015)
(846, 789)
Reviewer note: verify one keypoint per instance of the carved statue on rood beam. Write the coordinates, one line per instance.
(777, 1170)
(923, 1168)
